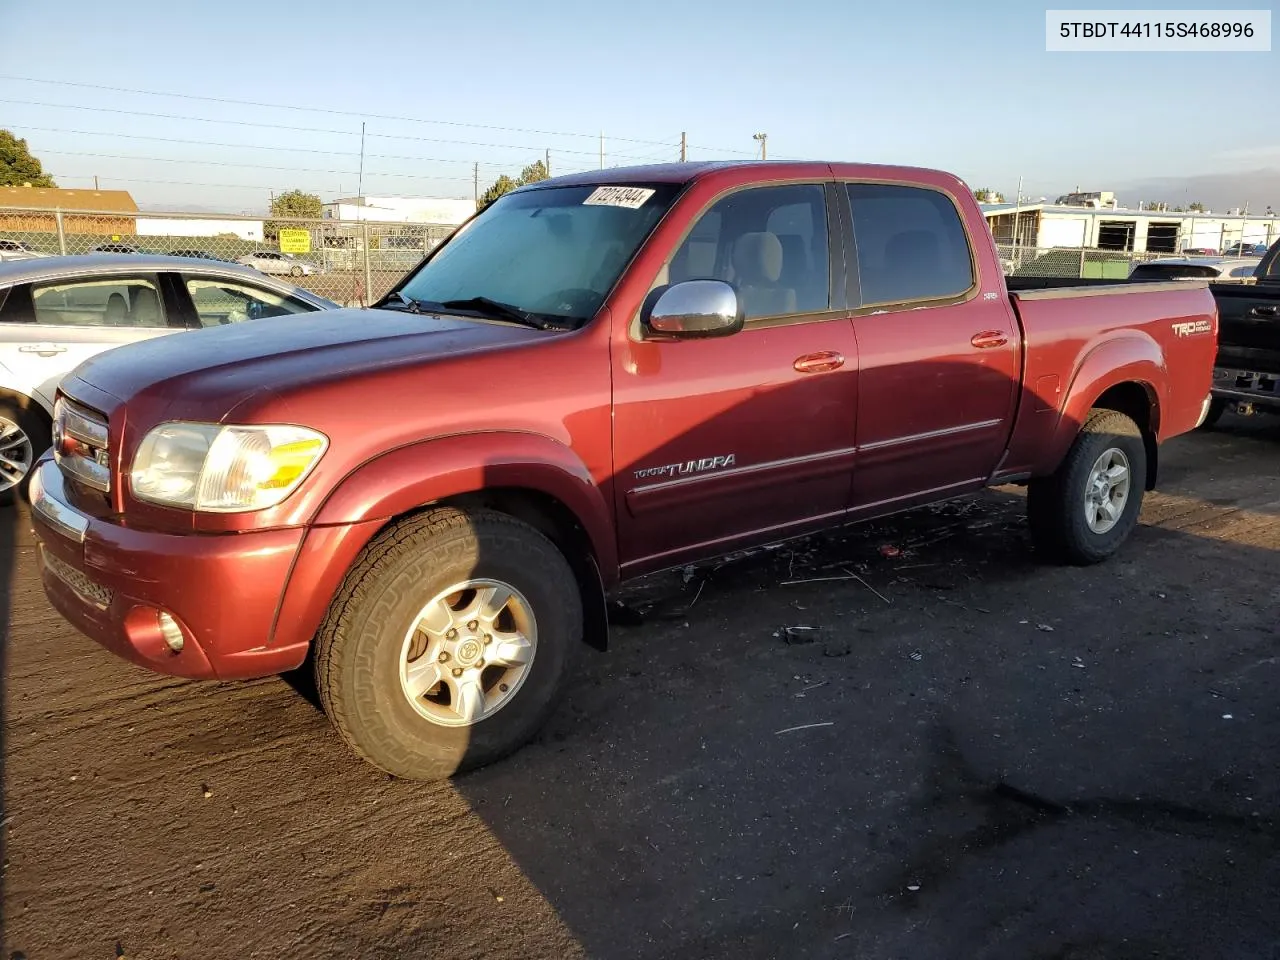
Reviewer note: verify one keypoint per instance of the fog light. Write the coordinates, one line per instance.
(171, 632)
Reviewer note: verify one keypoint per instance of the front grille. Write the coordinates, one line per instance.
(80, 444)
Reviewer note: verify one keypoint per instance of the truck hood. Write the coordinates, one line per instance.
(207, 373)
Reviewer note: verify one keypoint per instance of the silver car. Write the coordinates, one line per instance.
(1222, 269)
(275, 262)
(17, 250)
(57, 312)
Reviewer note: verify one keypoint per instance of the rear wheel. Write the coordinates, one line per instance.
(24, 435)
(449, 643)
(1086, 510)
(295, 271)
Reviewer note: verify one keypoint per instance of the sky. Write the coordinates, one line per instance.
(441, 87)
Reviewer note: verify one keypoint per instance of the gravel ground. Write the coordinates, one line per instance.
(970, 756)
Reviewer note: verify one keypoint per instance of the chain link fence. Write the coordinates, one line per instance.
(352, 262)
(1080, 262)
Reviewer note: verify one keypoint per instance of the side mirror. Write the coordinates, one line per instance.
(695, 309)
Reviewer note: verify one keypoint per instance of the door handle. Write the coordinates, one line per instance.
(43, 349)
(1265, 312)
(988, 339)
(819, 362)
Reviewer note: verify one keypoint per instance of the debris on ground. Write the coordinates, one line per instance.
(915, 655)
(795, 635)
(805, 726)
(204, 788)
(1045, 627)
(1077, 662)
(837, 648)
(889, 551)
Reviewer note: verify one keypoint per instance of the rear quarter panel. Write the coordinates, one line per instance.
(1080, 342)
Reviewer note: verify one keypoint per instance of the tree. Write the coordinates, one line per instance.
(504, 184)
(18, 167)
(1196, 207)
(988, 195)
(294, 203)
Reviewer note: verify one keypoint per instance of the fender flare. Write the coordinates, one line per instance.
(1130, 358)
(411, 476)
(418, 474)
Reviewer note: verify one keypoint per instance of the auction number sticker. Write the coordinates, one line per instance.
(630, 197)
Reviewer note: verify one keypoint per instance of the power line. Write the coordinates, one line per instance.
(259, 146)
(289, 127)
(246, 166)
(185, 183)
(328, 110)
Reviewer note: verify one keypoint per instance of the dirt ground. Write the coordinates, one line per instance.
(972, 756)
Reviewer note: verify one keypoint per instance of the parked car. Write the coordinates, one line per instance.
(114, 248)
(1246, 374)
(273, 261)
(1245, 250)
(198, 255)
(1196, 268)
(1200, 252)
(56, 312)
(18, 250)
(599, 376)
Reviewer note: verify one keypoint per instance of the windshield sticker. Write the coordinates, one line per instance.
(630, 197)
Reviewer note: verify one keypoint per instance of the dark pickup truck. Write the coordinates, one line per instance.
(1246, 373)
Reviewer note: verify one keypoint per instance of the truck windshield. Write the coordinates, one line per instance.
(552, 252)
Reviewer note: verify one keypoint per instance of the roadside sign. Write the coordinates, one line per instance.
(295, 241)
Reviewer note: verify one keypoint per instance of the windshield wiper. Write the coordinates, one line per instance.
(397, 297)
(503, 311)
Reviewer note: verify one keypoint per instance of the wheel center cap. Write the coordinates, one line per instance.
(468, 652)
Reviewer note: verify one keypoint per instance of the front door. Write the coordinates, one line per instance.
(723, 441)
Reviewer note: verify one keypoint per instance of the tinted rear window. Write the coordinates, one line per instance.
(911, 244)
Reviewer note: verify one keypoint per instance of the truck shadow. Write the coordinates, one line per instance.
(968, 755)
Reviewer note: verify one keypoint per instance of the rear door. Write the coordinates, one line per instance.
(938, 362)
(727, 440)
(49, 327)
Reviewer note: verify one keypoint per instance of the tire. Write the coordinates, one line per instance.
(295, 271)
(364, 646)
(25, 434)
(1058, 506)
(1217, 408)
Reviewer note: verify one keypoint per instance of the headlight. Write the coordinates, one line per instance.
(224, 469)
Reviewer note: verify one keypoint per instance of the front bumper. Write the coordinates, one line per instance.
(112, 583)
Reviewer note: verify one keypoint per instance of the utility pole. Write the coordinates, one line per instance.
(601, 149)
(684, 147)
(475, 182)
(548, 163)
(764, 139)
(95, 183)
(360, 182)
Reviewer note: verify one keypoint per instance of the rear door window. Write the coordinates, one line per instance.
(116, 301)
(911, 244)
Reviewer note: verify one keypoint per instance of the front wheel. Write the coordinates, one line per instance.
(449, 643)
(1086, 510)
(295, 271)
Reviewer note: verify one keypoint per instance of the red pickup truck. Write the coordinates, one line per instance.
(596, 377)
